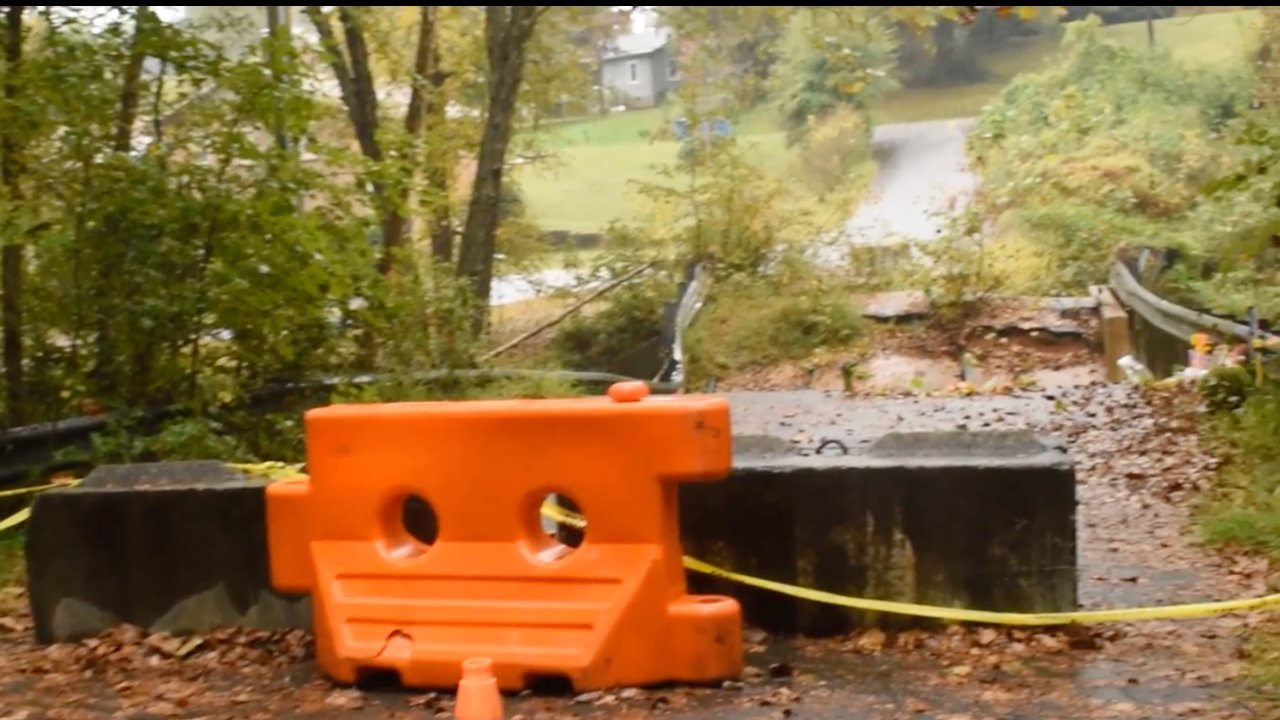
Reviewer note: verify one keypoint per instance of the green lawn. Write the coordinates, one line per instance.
(1211, 38)
(594, 174)
(589, 182)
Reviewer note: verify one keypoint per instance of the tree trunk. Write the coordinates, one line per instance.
(355, 82)
(11, 262)
(112, 264)
(395, 225)
(954, 61)
(131, 91)
(278, 33)
(439, 158)
(365, 128)
(507, 33)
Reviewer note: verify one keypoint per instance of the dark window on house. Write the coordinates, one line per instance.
(633, 71)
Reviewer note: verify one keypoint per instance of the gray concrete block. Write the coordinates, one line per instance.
(979, 520)
(973, 520)
(176, 547)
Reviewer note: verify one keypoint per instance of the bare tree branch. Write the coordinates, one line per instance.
(505, 347)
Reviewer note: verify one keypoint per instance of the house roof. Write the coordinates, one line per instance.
(641, 43)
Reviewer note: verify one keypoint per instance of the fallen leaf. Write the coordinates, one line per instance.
(346, 699)
(421, 701)
(780, 696)
(986, 636)
(871, 641)
(164, 709)
(164, 643)
(1049, 643)
(778, 671)
(189, 646)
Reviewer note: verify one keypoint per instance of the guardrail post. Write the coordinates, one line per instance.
(1114, 329)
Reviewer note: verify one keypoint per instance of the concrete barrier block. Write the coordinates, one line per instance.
(177, 547)
(973, 520)
(978, 520)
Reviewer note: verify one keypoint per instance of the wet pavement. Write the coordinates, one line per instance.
(922, 177)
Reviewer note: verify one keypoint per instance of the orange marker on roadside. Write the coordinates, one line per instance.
(478, 695)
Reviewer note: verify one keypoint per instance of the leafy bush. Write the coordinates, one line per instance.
(1226, 388)
(1245, 506)
(831, 150)
(605, 340)
(1111, 146)
(1233, 230)
(185, 439)
(753, 321)
(833, 57)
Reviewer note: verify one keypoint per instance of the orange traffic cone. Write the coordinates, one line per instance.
(478, 696)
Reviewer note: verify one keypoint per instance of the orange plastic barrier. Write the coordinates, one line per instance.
(612, 612)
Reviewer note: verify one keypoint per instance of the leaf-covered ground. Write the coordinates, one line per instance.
(1139, 465)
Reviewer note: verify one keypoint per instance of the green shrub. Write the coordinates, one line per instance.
(1111, 146)
(1244, 507)
(605, 340)
(832, 58)
(1226, 388)
(200, 438)
(832, 148)
(753, 321)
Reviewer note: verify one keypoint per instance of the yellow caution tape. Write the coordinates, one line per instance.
(38, 488)
(564, 517)
(24, 514)
(272, 471)
(1168, 612)
(15, 519)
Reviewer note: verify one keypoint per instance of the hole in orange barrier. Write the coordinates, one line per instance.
(420, 520)
(562, 527)
(548, 684)
(378, 679)
(410, 526)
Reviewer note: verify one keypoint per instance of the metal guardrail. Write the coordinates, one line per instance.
(678, 318)
(1171, 318)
